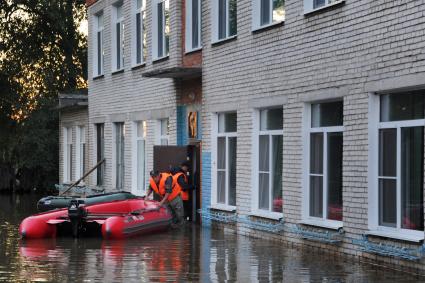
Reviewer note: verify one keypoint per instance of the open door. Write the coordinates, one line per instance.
(166, 157)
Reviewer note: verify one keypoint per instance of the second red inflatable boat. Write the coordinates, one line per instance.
(112, 220)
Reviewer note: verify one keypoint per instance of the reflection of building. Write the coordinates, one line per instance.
(318, 120)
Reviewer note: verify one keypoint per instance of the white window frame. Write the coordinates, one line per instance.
(135, 11)
(189, 26)
(373, 191)
(81, 142)
(256, 16)
(115, 155)
(309, 5)
(67, 154)
(159, 135)
(98, 31)
(215, 23)
(135, 165)
(215, 136)
(255, 210)
(117, 20)
(307, 131)
(155, 53)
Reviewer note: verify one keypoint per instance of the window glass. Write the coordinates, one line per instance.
(318, 3)
(388, 152)
(195, 23)
(227, 122)
(265, 12)
(164, 127)
(232, 17)
(316, 153)
(316, 196)
(100, 142)
(140, 165)
(327, 114)
(264, 193)
(222, 17)
(141, 129)
(160, 23)
(232, 170)
(221, 150)
(271, 119)
(402, 106)
(334, 168)
(277, 163)
(388, 202)
(278, 10)
(264, 153)
(412, 176)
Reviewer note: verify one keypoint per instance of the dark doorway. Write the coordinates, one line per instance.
(167, 157)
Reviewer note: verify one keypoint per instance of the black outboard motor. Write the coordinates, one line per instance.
(76, 213)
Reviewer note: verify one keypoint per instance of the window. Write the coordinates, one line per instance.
(401, 162)
(311, 5)
(163, 131)
(139, 37)
(161, 28)
(100, 153)
(68, 148)
(268, 12)
(224, 19)
(226, 145)
(270, 159)
(98, 56)
(81, 152)
(324, 143)
(139, 141)
(117, 37)
(119, 155)
(193, 25)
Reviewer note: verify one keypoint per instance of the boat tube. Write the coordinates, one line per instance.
(55, 202)
(113, 220)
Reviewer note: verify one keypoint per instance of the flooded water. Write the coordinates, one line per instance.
(191, 255)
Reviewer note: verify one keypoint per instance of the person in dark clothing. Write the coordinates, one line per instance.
(181, 179)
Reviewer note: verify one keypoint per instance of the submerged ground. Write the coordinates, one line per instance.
(193, 254)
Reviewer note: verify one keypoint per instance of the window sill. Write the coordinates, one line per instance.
(309, 12)
(138, 66)
(267, 214)
(409, 237)
(192, 50)
(117, 72)
(267, 27)
(224, 40)
(98, 77)
(223, 207)
(329, 224)
(160, 59)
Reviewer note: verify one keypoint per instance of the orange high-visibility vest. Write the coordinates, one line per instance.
(184, 194)
(160, 189)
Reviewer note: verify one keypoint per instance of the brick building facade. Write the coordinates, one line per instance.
(311, 115)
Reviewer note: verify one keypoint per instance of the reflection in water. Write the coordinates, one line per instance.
(194, 255)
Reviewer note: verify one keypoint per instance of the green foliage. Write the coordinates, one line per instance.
(42, 53)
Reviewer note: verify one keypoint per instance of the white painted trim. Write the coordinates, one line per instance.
(404, 235)
(373, 176)
(223, 207)
(306, 132)
(134, 158)
(324, 223)
(308, 6)
(77, 169)
(267, 214)
(65, 155)
(158, 132)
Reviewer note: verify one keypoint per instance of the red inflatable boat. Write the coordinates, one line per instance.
(112, 220)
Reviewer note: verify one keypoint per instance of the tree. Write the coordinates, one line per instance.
(42, 53)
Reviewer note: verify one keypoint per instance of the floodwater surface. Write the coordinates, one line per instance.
(192, 255)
